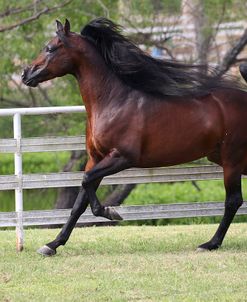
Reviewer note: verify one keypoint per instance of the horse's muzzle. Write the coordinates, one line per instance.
(32, 76)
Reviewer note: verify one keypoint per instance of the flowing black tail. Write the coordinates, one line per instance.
(243, 70)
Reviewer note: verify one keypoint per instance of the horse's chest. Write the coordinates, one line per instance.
(99, 138)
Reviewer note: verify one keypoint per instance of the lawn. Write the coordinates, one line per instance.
(127, 263)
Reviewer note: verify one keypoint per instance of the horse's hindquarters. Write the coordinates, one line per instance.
(181, 131)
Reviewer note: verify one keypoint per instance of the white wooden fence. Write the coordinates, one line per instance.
(20, 181)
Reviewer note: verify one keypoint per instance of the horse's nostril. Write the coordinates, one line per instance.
(24, 73)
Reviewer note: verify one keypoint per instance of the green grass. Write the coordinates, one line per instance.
(126, 264)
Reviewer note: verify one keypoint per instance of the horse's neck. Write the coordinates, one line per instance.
(97, 84)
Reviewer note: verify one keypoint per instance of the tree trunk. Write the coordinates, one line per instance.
(117, 197)
(193, 14)
(66, 197)
(231, 56)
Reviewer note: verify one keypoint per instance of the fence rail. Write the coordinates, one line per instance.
(17, 145)
(20, 181)
(43, 144)
(129, 213)
(73, 179)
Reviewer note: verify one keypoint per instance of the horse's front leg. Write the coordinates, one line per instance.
(79, 207)
(112, 163)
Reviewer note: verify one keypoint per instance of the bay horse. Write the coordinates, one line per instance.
(144, 112)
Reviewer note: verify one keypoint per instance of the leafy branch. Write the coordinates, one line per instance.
(35, 16)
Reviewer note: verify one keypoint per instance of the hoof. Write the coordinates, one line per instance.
(46, 251)
(112, 214)
(201, 250)
(208, 246)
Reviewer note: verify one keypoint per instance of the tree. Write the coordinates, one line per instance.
(206, 18)
(36, 12)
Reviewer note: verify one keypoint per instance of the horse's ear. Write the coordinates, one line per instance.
(59, 26)
(66, 27)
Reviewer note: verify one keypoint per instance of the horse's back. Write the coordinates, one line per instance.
(180, 130)
(185, 129)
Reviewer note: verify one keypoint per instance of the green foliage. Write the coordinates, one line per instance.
(227, 10)
(32, 200)
(21, 45)
(146, 8)
(179, 192)
(35, 162)
(32, 163)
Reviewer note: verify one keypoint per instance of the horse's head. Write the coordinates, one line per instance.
(55, 60)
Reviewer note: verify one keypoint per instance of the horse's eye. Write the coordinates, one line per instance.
(50, 48)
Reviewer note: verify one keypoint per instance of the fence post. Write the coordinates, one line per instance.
(18, 191)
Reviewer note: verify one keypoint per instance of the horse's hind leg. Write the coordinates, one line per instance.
(232, 181)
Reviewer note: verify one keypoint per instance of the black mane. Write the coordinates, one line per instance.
(145, 73)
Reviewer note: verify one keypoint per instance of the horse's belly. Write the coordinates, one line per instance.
(172, 146)
(173, 157)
